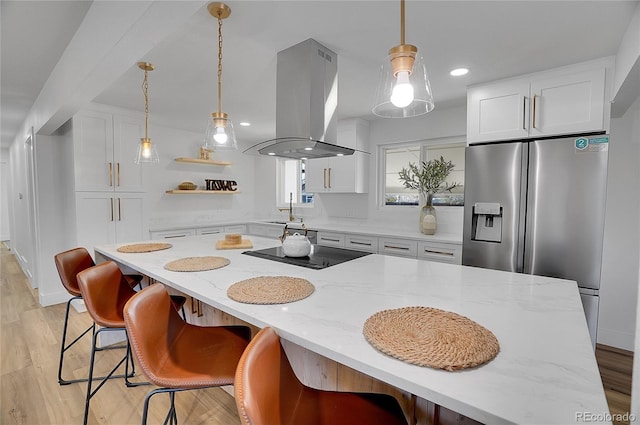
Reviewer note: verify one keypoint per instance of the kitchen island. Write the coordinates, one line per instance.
(545, 372)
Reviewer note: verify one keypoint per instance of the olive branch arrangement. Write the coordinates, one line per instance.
(430, 178)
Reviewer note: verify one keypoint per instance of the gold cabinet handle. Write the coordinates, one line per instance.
(428, 251)
(324, 177)
(111, 199)
(119, 210)
(196, 307)
(118, 172)
(111, 174)
(194, 310)
(403, 248)
(329, 178)
(535, 97)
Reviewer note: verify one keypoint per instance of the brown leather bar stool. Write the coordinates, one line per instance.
(69, 263)
(268, 392)
(105, 293)
(176, 355)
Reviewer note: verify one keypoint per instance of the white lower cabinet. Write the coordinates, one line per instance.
(209, 230)
(236, 228)
(398, 247)
(192, 231)
(330, 239)
(441, 252)
(361, 243)
(266, 230)
(107, 218)
(170, 234)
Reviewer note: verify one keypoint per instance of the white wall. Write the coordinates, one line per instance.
(21, 225)
(434, 125)
(619, 281)
(175, 210)
(55, 214)
(4, 195)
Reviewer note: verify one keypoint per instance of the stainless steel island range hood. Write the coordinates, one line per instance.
(306, 105)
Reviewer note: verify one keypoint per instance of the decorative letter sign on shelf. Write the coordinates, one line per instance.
(200, 192)
(213, 187)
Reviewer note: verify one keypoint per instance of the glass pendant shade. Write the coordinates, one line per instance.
(220, 134)
(146, 152)
(393, 94)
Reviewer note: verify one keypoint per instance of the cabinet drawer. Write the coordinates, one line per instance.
(265, 230)
(169, 234)
(330, 239)
(209, 230)
(401, 247)
(236, 228)
(361, 243)
(441, 252)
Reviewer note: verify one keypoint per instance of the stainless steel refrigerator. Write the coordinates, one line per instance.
(538, 207)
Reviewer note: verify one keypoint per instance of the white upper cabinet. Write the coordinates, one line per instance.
(104, 151)
(498, 111)
(347, 174)
(568, 104)
(569, 100)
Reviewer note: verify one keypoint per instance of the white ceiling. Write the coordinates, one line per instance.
(495, 39)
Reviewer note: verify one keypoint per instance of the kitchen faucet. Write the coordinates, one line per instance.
(291, 217)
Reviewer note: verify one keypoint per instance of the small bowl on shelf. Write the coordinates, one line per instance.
(187, 186)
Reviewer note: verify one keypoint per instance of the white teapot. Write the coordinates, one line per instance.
(296, 245)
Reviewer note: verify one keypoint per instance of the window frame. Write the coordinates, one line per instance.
(423, 144)
(280, 172)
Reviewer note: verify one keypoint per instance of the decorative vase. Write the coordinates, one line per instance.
(428, 220)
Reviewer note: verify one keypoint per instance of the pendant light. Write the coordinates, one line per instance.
(146, 150)
(403, 86)
(219, 134)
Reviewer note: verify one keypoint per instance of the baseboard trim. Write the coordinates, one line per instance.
(53, 298)
(616, 339)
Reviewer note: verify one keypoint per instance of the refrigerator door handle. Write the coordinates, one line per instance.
(522, 210)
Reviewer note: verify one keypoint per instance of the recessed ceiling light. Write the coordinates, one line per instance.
(304, 159)
(459, 71)
(308, 149)
(245, 124)
(271, 153)
(340, 154)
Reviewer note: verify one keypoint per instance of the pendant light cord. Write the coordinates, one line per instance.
(145, 91)
(219, 63)
(401, 21)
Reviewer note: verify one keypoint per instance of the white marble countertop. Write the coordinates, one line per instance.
(545, 373)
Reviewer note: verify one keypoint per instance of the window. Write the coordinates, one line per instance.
(292, 182)
(395, 157)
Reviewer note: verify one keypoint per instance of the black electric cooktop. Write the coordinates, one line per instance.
(321, 256)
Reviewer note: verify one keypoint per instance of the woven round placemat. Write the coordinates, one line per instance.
(270, 290)
(196, 264)
(144, 247)
(431, 337)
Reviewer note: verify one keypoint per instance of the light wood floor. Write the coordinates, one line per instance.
(29, 392)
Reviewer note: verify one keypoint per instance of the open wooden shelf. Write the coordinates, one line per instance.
(201, 192)
(202, 161)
